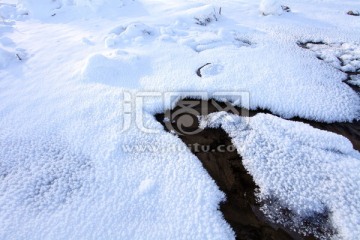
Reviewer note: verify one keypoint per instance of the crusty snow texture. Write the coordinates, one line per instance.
(67, 69)
(270, 7)
(307, 170)
(343, 56)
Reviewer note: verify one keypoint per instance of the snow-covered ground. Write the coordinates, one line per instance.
(298, 167)
(65, 66)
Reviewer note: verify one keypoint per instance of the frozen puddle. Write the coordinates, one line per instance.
(251, 215)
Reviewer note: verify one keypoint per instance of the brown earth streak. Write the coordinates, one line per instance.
(241, 210)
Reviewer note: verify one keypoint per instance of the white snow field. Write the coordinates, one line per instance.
(66, 64)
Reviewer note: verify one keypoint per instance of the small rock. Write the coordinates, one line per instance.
(353, 13)
(285, 8)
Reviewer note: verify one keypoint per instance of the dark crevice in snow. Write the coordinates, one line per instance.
(305, 44)
(353, 13)
(249, 218)
(349, 130)
(350, 76)
(285, 8)
(198, 71)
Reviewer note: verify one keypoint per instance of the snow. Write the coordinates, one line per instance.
(134, 33)
(63, 171)
(5, 58)
(39, 9)
(118, 69)
(211, 70)
(355, 80)
(270, 7)
(42, 9)
(305, 169)
(8, 11)
(343, 56)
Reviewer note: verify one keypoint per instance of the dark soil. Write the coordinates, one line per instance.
(349, 130)
(241, 210)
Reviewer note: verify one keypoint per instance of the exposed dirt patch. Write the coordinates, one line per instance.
(349, 130)
(240, 210)
(219, 157)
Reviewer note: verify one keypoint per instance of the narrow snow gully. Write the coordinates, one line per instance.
(213, 147)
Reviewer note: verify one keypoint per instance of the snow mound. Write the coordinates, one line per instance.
(8, 11)
(135, 33)
(297, 85)
(120, 69)
(202, 39)
(308, 171)
(5, 41)
(6, 58)
(39, 8)
(270, 7)
(207, 15)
